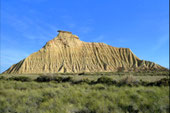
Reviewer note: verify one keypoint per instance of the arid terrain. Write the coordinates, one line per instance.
(66, 53)
(84, 56)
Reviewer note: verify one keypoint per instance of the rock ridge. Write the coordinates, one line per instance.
(66, 53)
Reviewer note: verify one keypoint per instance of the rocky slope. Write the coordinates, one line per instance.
(66, 53)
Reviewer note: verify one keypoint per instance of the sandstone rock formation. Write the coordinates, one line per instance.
(66, 53)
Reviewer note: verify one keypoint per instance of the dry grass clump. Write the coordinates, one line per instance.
(129, 80)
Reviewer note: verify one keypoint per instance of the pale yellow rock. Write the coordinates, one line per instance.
(66, 53)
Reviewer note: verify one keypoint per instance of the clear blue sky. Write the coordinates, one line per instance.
(141, 25)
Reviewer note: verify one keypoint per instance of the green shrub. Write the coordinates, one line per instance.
(106, 80)
(162, 82)
(129, 109)
(53, 78)
(81, 73)
(99, 87)
(85, 80)
(84, 110)
(20, 78)
(67, 79)
(44, 78)
(62, 79)
(2, 78)
(143, 83)
(58, 79)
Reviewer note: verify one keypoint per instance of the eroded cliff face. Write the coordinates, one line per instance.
(66, 53)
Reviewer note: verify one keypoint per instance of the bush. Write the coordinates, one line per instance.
(58, 79)
(100, 87)
(143, 83)
(67, 79)
(81, 73)
(62, 79)
(85, 80)
(106, 80)
(44, 78)
(129, 109)
(20, 78)
(162, 82)
(2, 78)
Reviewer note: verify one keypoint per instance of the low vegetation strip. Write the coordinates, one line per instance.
(127, 80)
